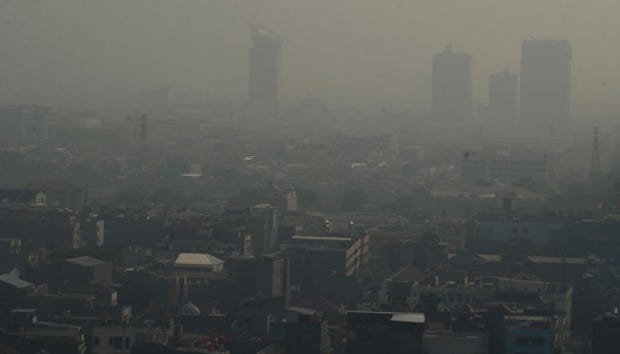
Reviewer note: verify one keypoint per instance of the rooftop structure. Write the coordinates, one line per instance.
(86, 261)
(15, 282)
(199, 261)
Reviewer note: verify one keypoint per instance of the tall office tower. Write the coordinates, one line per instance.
(503, 98)
(545, 86)
(451, 96)
(264, 73)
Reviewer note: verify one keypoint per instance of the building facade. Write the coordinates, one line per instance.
(452, 86)
(502, 110)
(264, 73)
(506, 166)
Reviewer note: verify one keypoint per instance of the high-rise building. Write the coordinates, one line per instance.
(545, 86)
(502, 107)
(264, 73)
(452, 86)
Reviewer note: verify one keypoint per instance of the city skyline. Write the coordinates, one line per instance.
(309, 177)
(395, 56)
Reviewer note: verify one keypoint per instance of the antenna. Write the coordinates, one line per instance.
(595, 162)
(143, 143)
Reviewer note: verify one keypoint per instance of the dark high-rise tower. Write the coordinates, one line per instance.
(503, 98)
(545, 86)
(452, 97)
(264, 73)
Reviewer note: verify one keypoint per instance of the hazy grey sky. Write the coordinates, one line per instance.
(349, 52)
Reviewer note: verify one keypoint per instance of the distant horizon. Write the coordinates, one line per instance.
(349, 54)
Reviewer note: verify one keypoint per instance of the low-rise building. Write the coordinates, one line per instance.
(385, 332)
(28, 334)
(531, 334)
(78, 270)
(121, 338)
(192, 263)
(302, 331)
(505, 166)
(605, 334)
(22, 197)
(500, 231)
(345, 255)
(445, 341)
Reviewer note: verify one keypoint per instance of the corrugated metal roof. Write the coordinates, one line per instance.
(197, 259)
(85, 261)
(557, 260)
(301, 310)
(14, 281)
(321, 238)
(408, 317)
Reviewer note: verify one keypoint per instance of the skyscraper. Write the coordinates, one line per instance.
(545, 86)
(451, 96)
(503, 98)
(264, 73)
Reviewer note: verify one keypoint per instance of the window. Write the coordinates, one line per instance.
(118, 342)
(140, 338)
(522, 341)
(127, 343)
(95, 340)
(110, 341)
(538, 341)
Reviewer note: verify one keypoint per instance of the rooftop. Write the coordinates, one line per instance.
(15, 281)
(322, 238)
(301, 310)
(409, 317)
(525, 321)
(85, 261)
(197, 260)
(557, 260)
(188, 310)
(384, 317)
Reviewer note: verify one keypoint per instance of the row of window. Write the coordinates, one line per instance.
(115, 342)
(527, 341)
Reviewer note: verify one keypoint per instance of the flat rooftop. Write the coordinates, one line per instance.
(322, 238)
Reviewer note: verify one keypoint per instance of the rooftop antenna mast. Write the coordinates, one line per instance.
(595, 162)
(143, 142)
